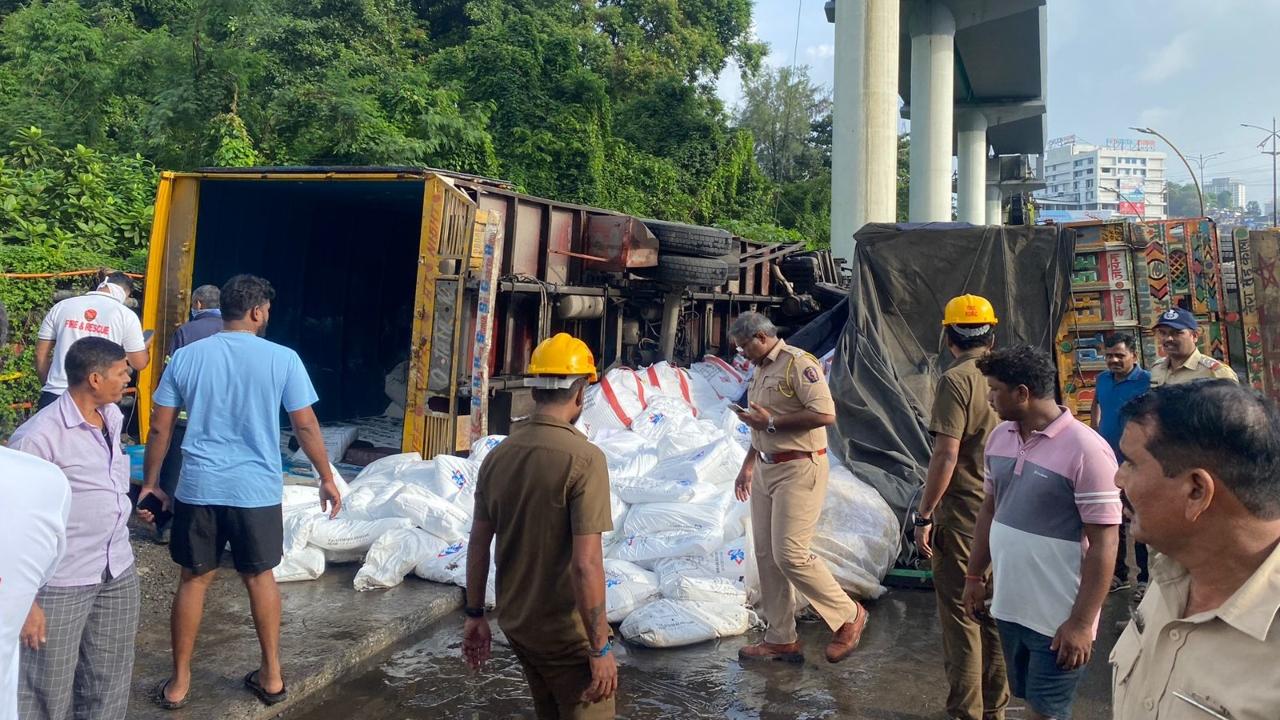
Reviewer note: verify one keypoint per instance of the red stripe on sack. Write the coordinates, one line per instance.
(684, 388)
(737, 376)
(612, 398)
(653, 377)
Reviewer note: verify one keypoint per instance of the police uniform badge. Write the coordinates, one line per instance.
(1169, 315)
(811, 374)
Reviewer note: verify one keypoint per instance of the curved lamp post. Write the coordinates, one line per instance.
(1199, 194)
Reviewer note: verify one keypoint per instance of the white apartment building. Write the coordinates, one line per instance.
(1121, 175)
(1239, 195)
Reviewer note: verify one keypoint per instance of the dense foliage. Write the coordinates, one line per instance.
(602, 102)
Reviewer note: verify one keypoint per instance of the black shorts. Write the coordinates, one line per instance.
(200, 532)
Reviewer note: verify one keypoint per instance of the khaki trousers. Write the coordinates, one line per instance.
(970, 648)
(786, 500)
(557, 690)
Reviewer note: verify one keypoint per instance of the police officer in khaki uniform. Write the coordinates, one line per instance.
(544, 492)
(1177, 332)
(1200, 474)
(948, 511)
(785, 477)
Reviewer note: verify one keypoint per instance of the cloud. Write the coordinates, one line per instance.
(1156, 117)
(825, 51)
(1170, 59)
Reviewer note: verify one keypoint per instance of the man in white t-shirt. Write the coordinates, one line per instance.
(101, 313)
(33, 526)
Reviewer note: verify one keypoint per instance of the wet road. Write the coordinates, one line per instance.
(896, 674)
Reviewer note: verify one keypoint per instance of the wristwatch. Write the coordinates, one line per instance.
(919, 520)
(771, 428)
(473, 612)
(608, 645)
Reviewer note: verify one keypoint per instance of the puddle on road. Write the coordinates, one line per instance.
(895, 675)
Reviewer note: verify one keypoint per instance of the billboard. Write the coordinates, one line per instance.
(1130, 145)
(1127, 207)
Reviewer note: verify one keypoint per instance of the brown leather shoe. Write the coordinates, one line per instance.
(847, 637)
(782, 652)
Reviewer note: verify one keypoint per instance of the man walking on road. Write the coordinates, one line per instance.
(948, 509)
(544, 493)
(206, 320)
(785, 477)
(77, 643)
(1124, 381)
(233, 385)
(100, 313)
(1202, 472)
(1177, 331)
(1048, 528)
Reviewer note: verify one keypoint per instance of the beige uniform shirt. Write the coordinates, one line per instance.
(1227, 660)
(789, 380)
(1197, 367)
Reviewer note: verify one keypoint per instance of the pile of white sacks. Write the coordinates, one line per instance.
(678, 566)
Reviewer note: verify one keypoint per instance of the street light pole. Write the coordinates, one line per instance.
(1271, 135)
(1199, 194)
(1201, 159)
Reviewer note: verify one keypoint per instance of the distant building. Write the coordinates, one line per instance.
(1124, 176)
(1217, 186)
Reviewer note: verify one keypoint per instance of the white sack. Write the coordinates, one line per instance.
(702, 589)
(691, 436)
(674, 623)
(340, 534)
(342, 557)
(395, 555)
(627, 586)
(730, 561)
(304, 564)
(612, 403)
(385, 468)
(442, 567)
(735, 429)
(618, 513)
(716, 463)
(857, 534)
(650, 518)
(455, 480)
(480, 449)
(643, 549)
(337, 439)
(663, 378)
(371, 500)
(432, 513)
(662, 416)
(633, 490)
(628, 454)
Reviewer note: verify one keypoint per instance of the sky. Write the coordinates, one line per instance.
(1192, 69)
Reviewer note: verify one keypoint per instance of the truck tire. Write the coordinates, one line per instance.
(828, 295)
(680, 239)
(701, 272)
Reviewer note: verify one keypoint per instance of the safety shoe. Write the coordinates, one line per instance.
(782, 652)
(847, 637)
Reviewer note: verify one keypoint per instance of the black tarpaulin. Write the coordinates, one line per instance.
(890, 350)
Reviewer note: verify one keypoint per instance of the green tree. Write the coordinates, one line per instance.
(1253, 208)
(1182, 200)
(781, 108)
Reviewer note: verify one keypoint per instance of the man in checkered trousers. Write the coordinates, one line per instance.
(77, 643)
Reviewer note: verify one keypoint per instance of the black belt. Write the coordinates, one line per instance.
(788, 456)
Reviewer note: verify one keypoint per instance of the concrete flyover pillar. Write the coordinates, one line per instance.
(933, 33)
(995, 206)
(864, 153)
(971, 168)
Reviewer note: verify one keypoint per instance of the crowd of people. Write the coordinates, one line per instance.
(1024, 516)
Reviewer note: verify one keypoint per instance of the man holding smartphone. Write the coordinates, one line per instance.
(232, 385)
(77, 643)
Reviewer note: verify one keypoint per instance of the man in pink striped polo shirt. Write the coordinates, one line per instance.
(1048, 527)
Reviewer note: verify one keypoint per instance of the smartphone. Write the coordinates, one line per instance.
(152, 504)
(737, 408)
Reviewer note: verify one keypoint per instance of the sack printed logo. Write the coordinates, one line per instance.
(656, 418)
(451, 550)
(738, 555)
(612, 582)
(90, 314)
(459, 479)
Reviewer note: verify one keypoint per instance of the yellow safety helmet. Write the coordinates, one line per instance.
(969, 310)
(563, 355)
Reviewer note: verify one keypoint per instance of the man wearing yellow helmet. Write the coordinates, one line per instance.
(948, 510)
(544, 493)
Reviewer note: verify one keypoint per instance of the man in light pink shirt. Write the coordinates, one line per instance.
(1049, 529)
(77, 643)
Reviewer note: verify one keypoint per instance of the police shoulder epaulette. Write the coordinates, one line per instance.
(1208, 362)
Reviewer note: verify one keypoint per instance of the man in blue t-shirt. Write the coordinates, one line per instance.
(232, 385)
(1123, 381)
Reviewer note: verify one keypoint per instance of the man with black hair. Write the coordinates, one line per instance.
(100, 313)
(78, 640)
(1202, 472)
(1123, 381)
(232, 385)
(948, 509)
(1047, 527)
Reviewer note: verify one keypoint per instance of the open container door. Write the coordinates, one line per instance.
(432, 407)
(167, 293)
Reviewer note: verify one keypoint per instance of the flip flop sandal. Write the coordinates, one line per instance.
(268, 698)
(164, 702)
